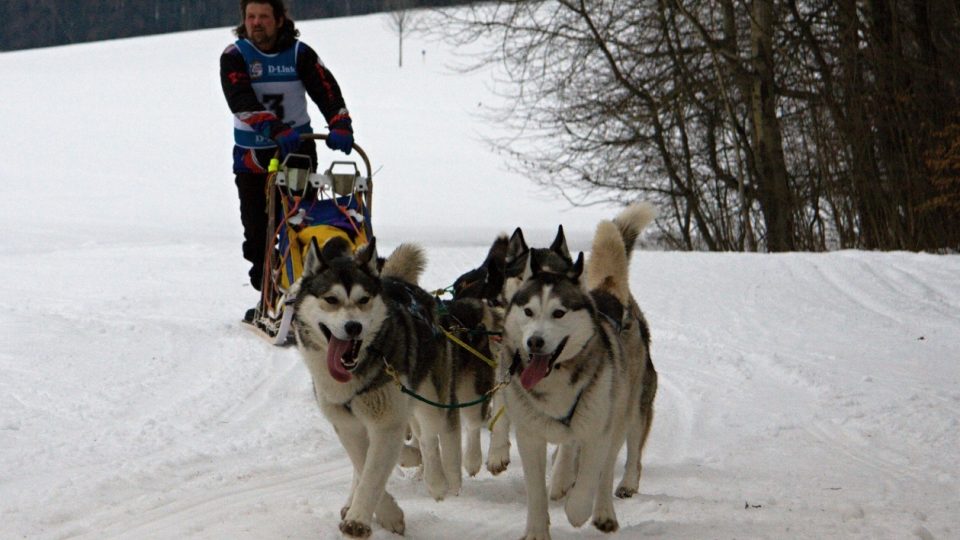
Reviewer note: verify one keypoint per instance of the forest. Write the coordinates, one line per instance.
(764, 125)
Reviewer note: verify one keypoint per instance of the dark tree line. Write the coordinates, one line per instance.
(755, 124)
(43, 23)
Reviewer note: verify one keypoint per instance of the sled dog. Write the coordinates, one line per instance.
(475, 317)
(468, 320)
(356, 326)
(576, 348)
(515, 267)
(493, 283)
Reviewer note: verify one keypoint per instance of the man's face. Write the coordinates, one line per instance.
(262, 27)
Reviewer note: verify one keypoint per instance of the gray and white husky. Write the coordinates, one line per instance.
(354, 324)
(498, 279)
(576, 349)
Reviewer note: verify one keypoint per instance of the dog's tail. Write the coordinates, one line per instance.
(607, 269)
(613, 242)
(407, 262)
(631, 221)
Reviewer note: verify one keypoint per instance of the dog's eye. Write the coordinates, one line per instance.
(528, 312)
(363, 301)
(559, 313)
(332, 300)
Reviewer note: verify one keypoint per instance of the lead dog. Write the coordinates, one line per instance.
(353, 325)
(575, 348)
(506, 268)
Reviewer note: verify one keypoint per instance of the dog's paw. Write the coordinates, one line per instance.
(389, 515)
(624, 492)
(472, 463)
(559, 487)
(607, 525)
(537, 533)
(472, 454)
(392, 522)
(497, 466)
(436, 482)
(452, 492)
(355, 529)
(578, 508)
(454, 485)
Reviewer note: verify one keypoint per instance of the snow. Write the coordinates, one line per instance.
(801, 395)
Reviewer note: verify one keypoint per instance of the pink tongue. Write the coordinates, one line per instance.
(335, 351)
(536, 370)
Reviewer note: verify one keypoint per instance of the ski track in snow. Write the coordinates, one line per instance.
(203, 431)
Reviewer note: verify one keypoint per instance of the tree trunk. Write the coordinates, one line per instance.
(773, 184)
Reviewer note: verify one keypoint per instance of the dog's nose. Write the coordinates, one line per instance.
(535, 343)
(353, 328)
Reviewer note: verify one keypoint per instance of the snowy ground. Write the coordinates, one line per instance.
(802, 395)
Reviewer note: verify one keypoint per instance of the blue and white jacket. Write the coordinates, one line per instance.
(267, 94)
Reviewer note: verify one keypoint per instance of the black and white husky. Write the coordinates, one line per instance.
(356, 324)
(576, 349)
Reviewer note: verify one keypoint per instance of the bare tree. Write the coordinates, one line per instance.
(776, 125)
(401, 21)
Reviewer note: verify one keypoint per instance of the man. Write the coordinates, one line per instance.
(266, 75)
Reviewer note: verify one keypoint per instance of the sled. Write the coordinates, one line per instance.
(302, 205)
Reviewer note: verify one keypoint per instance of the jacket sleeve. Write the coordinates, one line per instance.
(321, 86)
(242, 100)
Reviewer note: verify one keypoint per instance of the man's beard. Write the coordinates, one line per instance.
(261, 39)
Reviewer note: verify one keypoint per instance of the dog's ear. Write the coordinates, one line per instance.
(559, 245)
(577, 269)
(367, 257)
(313, 262)
(517, 246)
(495, 267)
(518, 253)
(497, 256)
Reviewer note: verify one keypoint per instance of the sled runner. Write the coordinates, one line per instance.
(302, 205)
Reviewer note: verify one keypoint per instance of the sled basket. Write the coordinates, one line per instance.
(303, 205)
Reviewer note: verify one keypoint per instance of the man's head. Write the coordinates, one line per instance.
(265, 23)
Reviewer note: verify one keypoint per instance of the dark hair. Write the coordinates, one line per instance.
(287, 33)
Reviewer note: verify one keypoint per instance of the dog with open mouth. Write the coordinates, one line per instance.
(360, 328)
(576, 351)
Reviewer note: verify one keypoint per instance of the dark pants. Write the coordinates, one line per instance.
(252, 191)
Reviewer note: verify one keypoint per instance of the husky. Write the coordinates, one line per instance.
(475, 317)
(492, 283)
(468, 320)
(357, 327)
(630, 222)
(575, 348)
(515, 265)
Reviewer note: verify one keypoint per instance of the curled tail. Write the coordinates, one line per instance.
(406, 262)
(609, 264)
(607, 268)
(631, 221)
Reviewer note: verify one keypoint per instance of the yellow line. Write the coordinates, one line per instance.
(473, 351)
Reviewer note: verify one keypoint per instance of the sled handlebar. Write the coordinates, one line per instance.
(356, 148)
